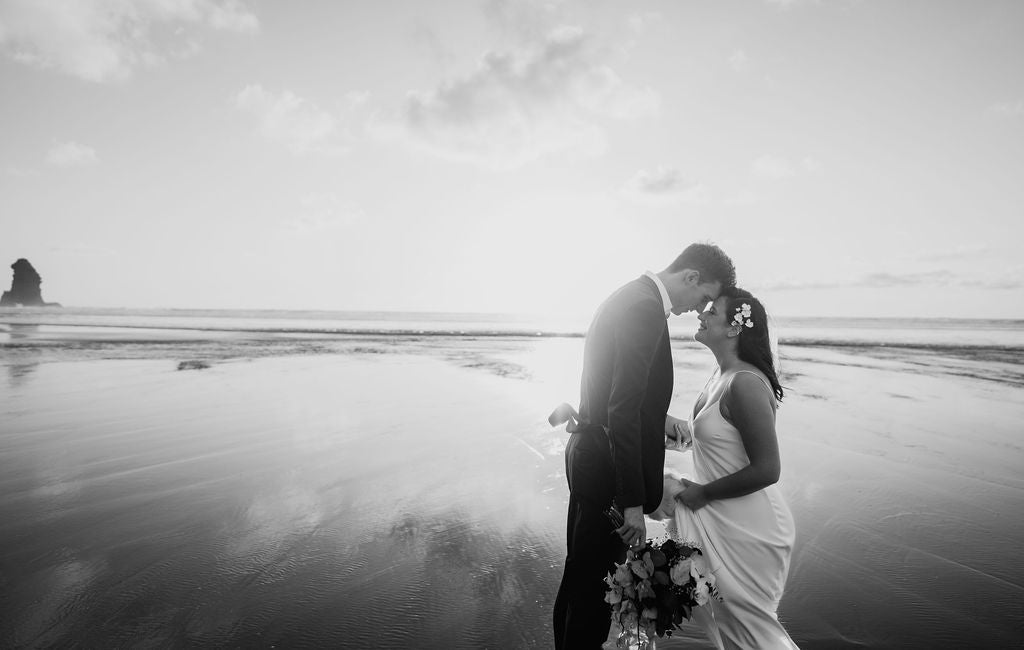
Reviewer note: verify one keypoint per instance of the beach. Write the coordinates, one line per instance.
(191, 487)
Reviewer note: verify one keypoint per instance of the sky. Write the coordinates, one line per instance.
(854, 157)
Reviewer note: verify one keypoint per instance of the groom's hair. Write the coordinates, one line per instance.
(710, 260)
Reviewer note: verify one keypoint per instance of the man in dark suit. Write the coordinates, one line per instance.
(615, 456)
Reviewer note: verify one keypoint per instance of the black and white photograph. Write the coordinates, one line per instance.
(512, 324)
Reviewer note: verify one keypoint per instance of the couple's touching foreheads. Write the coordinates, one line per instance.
(615, 455)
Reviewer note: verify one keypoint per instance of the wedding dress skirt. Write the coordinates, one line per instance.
(747, 541)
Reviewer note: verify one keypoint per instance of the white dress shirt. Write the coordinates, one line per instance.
(665, 300)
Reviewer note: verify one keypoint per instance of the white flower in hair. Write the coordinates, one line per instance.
(742, 316)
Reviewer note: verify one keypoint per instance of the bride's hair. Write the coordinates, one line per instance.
(754, 342)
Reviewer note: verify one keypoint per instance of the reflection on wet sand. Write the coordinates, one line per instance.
(21, 366)
(450, 581)
(17, 331)
(291, 505)
(18, 374)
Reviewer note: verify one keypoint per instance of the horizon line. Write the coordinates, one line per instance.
(464, 313)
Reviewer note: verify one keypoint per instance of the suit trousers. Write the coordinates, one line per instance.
(582, 618)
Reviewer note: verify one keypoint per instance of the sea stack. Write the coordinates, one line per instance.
(25, 291)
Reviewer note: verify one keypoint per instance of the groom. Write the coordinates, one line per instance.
(616, 452)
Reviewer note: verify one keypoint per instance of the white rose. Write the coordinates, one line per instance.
(680, 572)
(700, 593)
(699, 564)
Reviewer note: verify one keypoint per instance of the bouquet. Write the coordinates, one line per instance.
(655, 589)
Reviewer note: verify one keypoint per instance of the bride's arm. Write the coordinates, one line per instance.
(752, 412)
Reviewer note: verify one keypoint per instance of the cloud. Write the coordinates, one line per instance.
(664, 185)
(810, 165)
(989, 283)
(880, 280)
(743, 197)
(519, 106)
(890, 280)
(639, 23)
(772, 167)
(321, 211)
(522, 19)
(738, 61)
(940, 278)
(20, 172)
(82, 249)
(292, 121)
(1007, 109)
(959, 253)
(431, 41)
(789, 4)
(796, 285)
(107, 40)
(71, 154)
(777, 168)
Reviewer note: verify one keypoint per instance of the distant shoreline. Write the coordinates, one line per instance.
(510, 334)
(981, 335)
(481, 317)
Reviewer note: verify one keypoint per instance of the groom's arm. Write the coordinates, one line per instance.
(636, 343)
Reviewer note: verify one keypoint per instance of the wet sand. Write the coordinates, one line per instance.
(409, 493)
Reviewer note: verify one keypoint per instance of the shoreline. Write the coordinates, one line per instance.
(992, 336)
(459, 334)
(200, 348)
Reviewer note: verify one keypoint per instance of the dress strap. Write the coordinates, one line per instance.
(716, 373)
(763, 381)
(703, 392)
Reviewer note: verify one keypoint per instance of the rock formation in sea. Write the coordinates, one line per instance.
(25, 288)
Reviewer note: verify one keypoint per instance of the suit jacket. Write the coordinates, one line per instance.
(619, 451)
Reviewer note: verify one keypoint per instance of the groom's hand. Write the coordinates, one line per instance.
(634, 531)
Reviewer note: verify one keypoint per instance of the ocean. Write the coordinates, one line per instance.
(918, 332)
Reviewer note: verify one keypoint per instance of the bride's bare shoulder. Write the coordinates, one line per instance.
(746, 383)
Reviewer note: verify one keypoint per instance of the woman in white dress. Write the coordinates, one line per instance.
(732, 508)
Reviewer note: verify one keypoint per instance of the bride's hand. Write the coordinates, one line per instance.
(693, 496)
(677, 433)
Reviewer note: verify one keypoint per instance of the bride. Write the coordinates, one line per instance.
(733, 509)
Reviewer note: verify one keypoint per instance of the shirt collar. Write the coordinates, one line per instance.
(665, 300)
